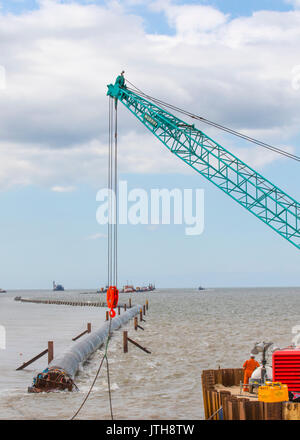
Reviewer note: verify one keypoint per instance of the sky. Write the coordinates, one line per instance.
(233, 62)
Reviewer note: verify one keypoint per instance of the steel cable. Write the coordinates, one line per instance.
(116, 198)
(96, 377)
(112, 183)
(216, 125)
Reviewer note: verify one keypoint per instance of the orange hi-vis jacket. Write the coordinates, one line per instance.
(250, 365)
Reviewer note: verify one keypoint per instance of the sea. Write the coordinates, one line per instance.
(186, 331)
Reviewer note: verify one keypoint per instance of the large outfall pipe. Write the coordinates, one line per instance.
(62, 370)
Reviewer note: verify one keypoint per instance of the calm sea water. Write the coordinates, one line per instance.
(185, 330)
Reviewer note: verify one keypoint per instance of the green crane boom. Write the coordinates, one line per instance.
(233, 176)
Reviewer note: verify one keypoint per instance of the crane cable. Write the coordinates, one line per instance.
(104, 357)
(112, 290)
(214, 124)
(112, 196)
(112, 241)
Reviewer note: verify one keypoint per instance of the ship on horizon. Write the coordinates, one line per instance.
(130, 288)
(148, 288)
(58, 287)
(103, 289)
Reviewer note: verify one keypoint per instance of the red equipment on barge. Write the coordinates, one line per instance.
(286, 368)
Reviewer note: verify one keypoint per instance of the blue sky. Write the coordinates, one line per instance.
(233, 7)
(54, 135)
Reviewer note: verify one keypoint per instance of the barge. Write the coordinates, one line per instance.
(271, 393)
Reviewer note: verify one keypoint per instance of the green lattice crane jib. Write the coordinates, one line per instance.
(233, 176)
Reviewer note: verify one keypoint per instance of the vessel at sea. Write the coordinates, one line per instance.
(57, 287)
(128, 289)
(2, 291)
(148, 288)
(102, 290)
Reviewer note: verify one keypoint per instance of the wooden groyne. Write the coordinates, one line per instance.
(222, 400)
(67, 302)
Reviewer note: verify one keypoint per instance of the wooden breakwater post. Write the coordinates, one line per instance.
(32, 360)
(129, 302)
(126, 339)
(88, 330)
(49, 350)
(136, 325)
(221, 399)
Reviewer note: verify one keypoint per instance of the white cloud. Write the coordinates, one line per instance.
(84, 163)
(59, 59)
(295, 3)
(63, 189)
(189, 20)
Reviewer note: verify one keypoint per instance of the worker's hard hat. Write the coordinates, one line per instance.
(252, 355)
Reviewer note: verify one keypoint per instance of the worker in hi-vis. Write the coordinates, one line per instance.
(249, 366)
(121, 80)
